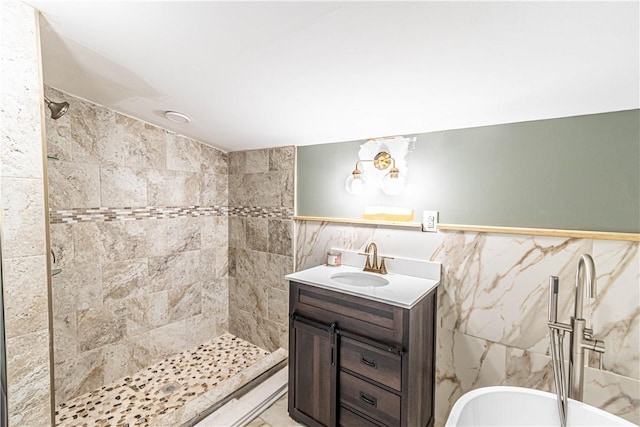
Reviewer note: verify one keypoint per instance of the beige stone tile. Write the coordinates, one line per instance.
(108, 241)
(256, 189)
(21, 151)
(281, 236)
(94, 134)
(78, 286)
(183, 154)
(183, 234)
(122, 187)
(65, 340)
(214, 232)
(124, 279)
(282, 158)
(100, 326)
(177, 269)
(278, 266)
(27, 371)
(147, 312)
(257, 233)
(173, 188)
(213, 160)
(237, 232)
(185, 301)
(73, 185)
(145, 144)
(25, 295)
(18, 50)
(221, 190)
(23, 217)
(278, 305)
(78, 375)
(215, 300)
(61, 242)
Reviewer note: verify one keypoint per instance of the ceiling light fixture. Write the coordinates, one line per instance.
(393, 182)
(176, 117)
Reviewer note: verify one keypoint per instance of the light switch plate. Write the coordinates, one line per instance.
(430, 221)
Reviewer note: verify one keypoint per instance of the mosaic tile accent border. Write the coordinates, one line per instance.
(260, 212)
(102, 214)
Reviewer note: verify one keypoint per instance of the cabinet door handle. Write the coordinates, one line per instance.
(368, 362)
(369, 400)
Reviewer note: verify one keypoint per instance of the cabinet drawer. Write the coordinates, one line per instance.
(369, 399)
(379, 365)
(346, 418)
(361, 316)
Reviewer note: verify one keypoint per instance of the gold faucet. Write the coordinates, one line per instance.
(374, 267)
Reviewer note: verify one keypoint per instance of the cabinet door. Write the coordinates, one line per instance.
(311, 374)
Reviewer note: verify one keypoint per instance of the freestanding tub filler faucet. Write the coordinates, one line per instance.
(569, 383)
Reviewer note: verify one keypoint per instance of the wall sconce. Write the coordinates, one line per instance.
(393, 182)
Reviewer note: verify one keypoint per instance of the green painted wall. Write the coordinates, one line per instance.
(578, 173)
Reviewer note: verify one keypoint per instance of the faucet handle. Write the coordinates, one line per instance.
(383, 267)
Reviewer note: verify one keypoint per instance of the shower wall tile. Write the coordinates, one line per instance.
(23, 217)
(492, 306)
(28, 378)
(145, 144)
(183, 154)
(21, 122)
(122, 280)
(184, 234)
(122, 186)
(100, 326)
(61, 242)
(78, 375)
(280, 236)
(27, 293)
(260, 246)
(73, 185)
(94, 136)
(145, 272)
(23, 227)
(213, 161)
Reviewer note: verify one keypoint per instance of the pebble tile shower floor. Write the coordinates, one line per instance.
(144, 398)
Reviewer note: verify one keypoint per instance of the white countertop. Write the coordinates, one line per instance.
(402, 291)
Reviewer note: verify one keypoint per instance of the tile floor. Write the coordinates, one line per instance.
(146, 397)
(275, 416)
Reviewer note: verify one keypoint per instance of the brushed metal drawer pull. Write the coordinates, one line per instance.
(370, 400)
(368, 362)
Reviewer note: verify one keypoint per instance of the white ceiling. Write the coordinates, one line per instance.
(264, 74)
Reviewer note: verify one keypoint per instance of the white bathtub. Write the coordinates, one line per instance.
(516, 406)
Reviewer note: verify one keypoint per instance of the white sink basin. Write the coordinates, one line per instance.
(359, 279)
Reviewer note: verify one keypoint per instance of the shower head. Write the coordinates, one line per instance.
(57, 108)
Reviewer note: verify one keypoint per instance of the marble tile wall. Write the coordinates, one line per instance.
(492, 306)
(139, 228)
(260, 244)
(23, 219)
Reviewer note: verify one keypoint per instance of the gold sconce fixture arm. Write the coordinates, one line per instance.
(356, 182)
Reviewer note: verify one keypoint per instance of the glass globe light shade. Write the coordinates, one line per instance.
(355, 184)
(393, 183)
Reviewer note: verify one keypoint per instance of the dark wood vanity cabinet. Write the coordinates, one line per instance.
(358, 362)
